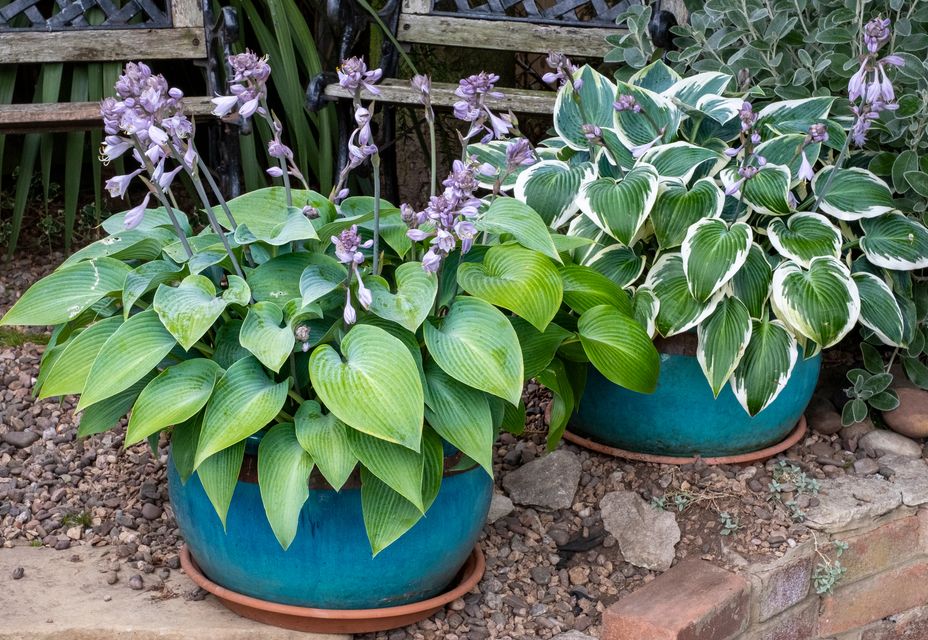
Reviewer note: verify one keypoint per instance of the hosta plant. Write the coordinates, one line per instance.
(752, 228)
(355, 336)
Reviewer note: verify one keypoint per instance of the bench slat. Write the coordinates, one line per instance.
(98, 45)
(399, 91)
(70, 116)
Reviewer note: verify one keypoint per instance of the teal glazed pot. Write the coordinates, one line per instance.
(682, 418)
(329, 563)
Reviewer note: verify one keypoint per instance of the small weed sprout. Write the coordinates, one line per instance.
(829, 570)
(729, 523)
(789, 478)
(659, 502)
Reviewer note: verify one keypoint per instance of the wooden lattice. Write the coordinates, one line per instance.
(598, 12)
(71, 15)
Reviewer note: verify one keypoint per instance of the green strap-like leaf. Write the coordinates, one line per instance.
(64, 294)
(712, 253)
(620, 207)
(852, 194)
(619, 348)
(412, 301)
(219, 475)
(765, 367)
(399, 467)
(263, 335)
(678, 310)
(283, 479)
(475, 344)
(723, 338)
(134, 349)
(896, 242)
(804, 236)
(461, 415)
(175, 395)
(244, 401)
(878, 309)
(677, 208)
(68, 373)
(508, 215)
(325, 438)
(515, 278)
(372, 386)
(751, 284)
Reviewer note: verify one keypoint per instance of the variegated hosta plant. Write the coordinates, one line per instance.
(352, 334)
(758, 231)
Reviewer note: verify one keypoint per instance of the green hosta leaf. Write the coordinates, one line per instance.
(678, 310)
(620, 207)
(615, 151)
(188, 310)
(507, 215)
(265, 334)
(283, 479)
(278, 279)
(175, 395)
(325, 438)
(785, 150)
(126, 245)
(144, 278)
(619, 348)
(767, 192)
(219, 475)
(661, 121)
(801, 114)
(677, 208)
(518, 279)
(317, 280)
(821, 304)
(134, 349)
(723, 338)
(400, 468)
(227, 349)
(372, 386)
(691, 89)
(264, 215)
(596, 97)
(415, 294)
(585, 288)
(461, 415)
(751, 284)
(645, 307)
(245, 401)
(896, 242)
(878, 309)
(538, 348)
(765, 367)
(678, 159)
(68, 374)
(392, 229)
(236, 291)
(64, 294)
(852, 194)
(475, 344)
(550, 187)
(106, 414)
(712, 253)
(657, 76)
(153, 219)
(620, 264)
(556, 379)
(184, 438)
(804, 236)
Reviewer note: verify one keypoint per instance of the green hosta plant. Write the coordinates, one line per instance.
(353, 335)
(754, 229)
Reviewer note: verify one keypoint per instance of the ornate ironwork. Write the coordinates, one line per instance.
(71, 15)
(582, 12)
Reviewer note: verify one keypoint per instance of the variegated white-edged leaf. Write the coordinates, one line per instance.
(712, 253)
(802, 113)
(615, 150)
(677, 208)
(787, 150)
(852, 194)
(550, 187)
(751, 284)
(690, 89)
(878, 309)
(657, 76)
(620, 207)
(896, 242)
(821, 303)
(593, 107)
(678, 311)
(804, 236)
(720, 109)
(661, 122)
(645, 307)
(620, 264)
(582, 228)
(723, 338)
(767, 192)
(766, 365)
(678, 159)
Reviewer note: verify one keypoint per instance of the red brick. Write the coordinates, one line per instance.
(873, 551)
(695, 600)
(783, 583)
(910, 625)
(868, 600)
(797, 623)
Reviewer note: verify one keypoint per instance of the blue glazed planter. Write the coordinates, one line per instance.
(329, 563)
(682, 418)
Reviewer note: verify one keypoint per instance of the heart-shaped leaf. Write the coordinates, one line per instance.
(493, 153)
(765, 367)
(787, 150)
(657, 77)
(64, 294)
(767, 192)
(878, 309)
(591, 105)
(751, 284)
(821, 304)
(415, 294)
(620, 264)
(144, 278)
(189, 309)
(68, 373)
(244, 401)
(319, 279)
(712, 253)
(219, 475)
(620, 207)
(325, 438)
(265, 334)
(690, 89)
(399, 467)
(175, 395)
(550, 188)
(518, 279)
(264, 215)
(585, 288)
(659, 118)
(894, 241)
(852, 194)
(475, 344)
(678, 159)
(619, 348)
(278, 279)
(372, 386)
(645, 307)
(723, 338)
(283, 479)
(804, 236)
(802, 113)
(508, 215)
(677, 208)
(678, 310)
(538, 348)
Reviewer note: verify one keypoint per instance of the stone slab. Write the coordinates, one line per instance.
(848, 502)
(61, 599)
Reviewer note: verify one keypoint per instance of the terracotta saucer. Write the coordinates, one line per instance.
(309, 619)
(745, 458)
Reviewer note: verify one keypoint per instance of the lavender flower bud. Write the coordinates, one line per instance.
(423, 84)
(806, 172)
(277, 149)
(592, 133)
(133, 217)
(310, 212)
(519, 153)
(626, 102)
(274, 172)
(876, 34)
(818, 133)
(353, 75)
(301, 333)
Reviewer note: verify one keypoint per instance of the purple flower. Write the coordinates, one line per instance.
(564, 71)
(431, 261)
(641, 149)
(423, 84)
(274, 172)
(349, 315)
(348, 245)
(626, 102)
(247, 88)
(733, 151)
(870, 85)
(364, 294)
(592, 133)
(876, 34)
(818, 133)
(117, 185)
(277, 149)
(747, 116)
(310, 212)
(466, 231)
(353, 75)
(746, 173)
(806, 172)
(133, 217)
(473, 92)
(519, 153)
(360, 144)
